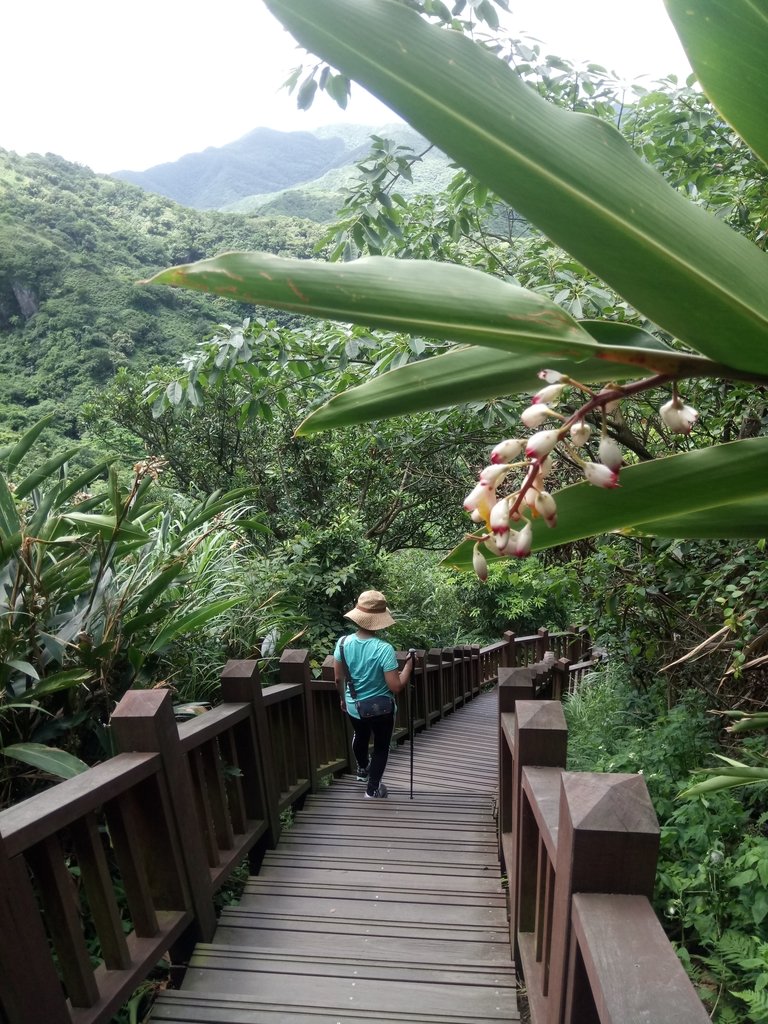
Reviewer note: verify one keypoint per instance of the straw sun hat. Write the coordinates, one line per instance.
(371, 611)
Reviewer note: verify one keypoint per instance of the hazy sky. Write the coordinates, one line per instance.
(131, 85)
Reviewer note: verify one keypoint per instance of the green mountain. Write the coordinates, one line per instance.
(262, 161)
(72, 246)
(296, 174)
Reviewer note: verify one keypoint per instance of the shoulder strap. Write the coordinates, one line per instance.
(350, 684)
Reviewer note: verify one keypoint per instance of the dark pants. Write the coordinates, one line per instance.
(380, 728)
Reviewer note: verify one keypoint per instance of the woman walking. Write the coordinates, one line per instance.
(370, 665)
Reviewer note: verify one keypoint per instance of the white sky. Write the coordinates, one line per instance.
(126, 86)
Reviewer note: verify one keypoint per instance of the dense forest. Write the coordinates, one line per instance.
(169, 500)
(72, 246)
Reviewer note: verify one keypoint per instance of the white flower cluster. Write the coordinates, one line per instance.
(508, 529)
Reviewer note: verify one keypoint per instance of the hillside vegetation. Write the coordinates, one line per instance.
(72, 246)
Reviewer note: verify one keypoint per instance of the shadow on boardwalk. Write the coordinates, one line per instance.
(373, 910)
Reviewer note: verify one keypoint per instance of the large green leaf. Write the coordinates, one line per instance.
(726, 42)
(47, 759)
(435, 300)
(670, 492)
(64, 680)
(25, 442)
(471, 375)
(571, 174)
(107, 526)
(192, 620)
(9, 517)
(44, 473)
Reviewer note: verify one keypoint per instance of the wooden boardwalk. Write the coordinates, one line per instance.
(387, 910)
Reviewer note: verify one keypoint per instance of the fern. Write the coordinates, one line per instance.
(757, 1001)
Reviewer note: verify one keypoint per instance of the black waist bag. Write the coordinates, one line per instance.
(368, 707)
(372, 707)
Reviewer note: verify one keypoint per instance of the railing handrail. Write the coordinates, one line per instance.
(217, 785)
(580, 852)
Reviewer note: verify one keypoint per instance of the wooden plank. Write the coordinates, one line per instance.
(657, 988)
(210, 956)
(200, 1008)
(378, 909)
(453, 1000)
(204, 728)
(374, 911)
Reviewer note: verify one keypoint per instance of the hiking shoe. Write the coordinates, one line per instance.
(362, 774)
(377, 794)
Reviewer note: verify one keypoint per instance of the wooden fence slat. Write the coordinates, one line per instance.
(62, 914)
(29, 985)
(240, 683)
(99, 891)
(144, 721)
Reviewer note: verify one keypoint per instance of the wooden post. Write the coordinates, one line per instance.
(328, 673)
(240, 684)
(419, 684)
(542, 644)
(560, 682)
(29, 986)
(608, 842)
(295, 668)
(508, 658)
(514, 684)
(541, 740)
(143, 722)
(435, 657)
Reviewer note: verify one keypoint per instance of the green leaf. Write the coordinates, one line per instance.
(192, 620)
(726, 42)
(212, 508)
(666, 491)
(22, 446)
(48, 759)
(434, 300)
(107, 526)
(471, 375)
(9, 517)
(64, 680)
(24, 667)
(572, 175)
(44, 472)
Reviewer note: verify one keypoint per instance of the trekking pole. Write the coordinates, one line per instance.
(412, 656)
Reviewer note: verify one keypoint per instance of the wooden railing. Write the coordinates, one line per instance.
(103, 873)
(580, 851)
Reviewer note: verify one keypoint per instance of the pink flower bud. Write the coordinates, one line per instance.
(493, 475)
(530, 497)
(499, 518)
(546, 507)
(507, 451)
(476, 517)
(481, 499)
(551, 376)
(551, 393)
(501, 541)
(479, 563)
(609, 454)
(535, 415)
(545, 469)
(679, 418)
(521, 547)
(540, 445)
(600, 476)
(580, 432)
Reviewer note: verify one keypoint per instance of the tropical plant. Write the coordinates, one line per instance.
(579, 181)
(97, 578)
